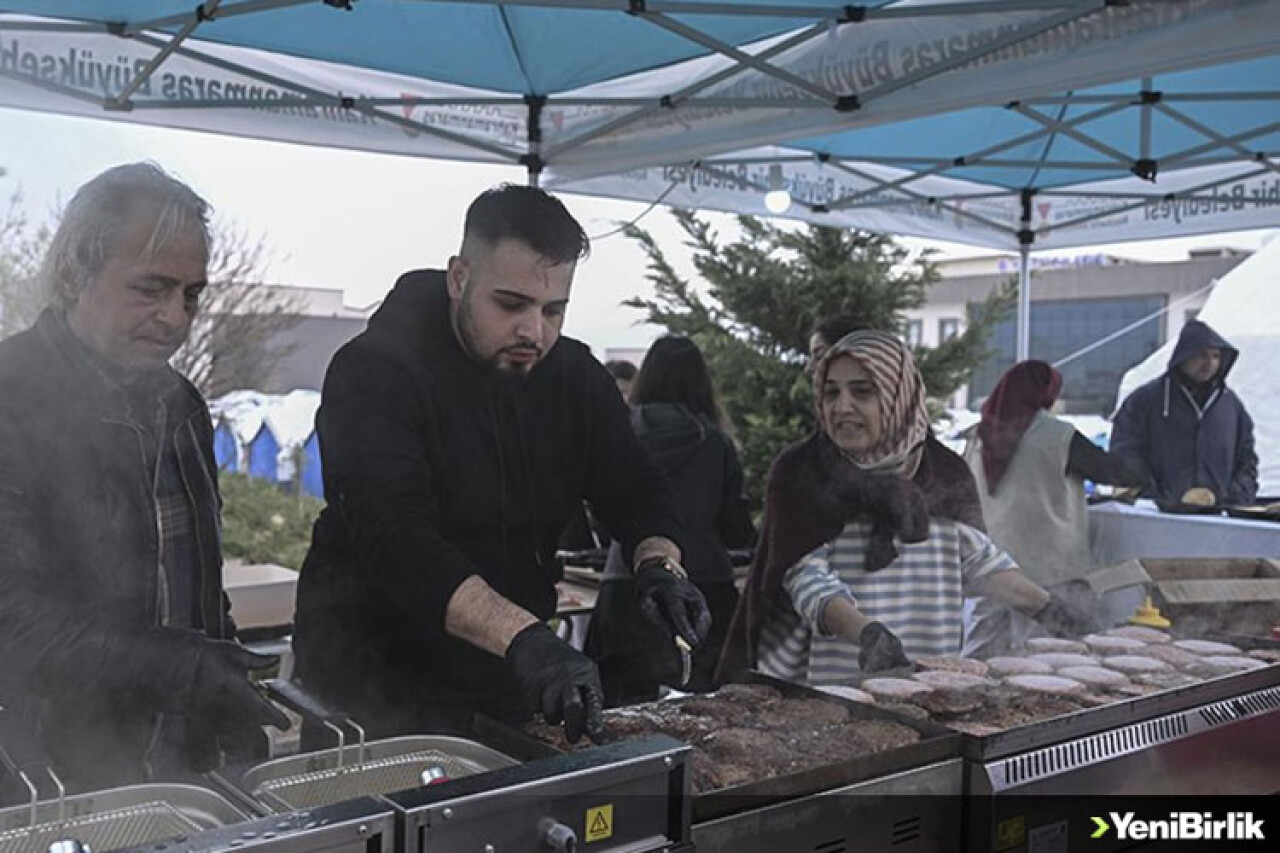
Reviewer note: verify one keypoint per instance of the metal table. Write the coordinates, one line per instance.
(1119, 532)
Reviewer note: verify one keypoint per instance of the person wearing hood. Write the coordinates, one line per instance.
(459, 434)
(1189, 429)
(116, 634)
(678, 419)
(871, 535)
(1030, 468)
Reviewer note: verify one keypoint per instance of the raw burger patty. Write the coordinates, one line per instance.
(1018, 666)
(1134, 663)
(853, 694)
(1046, 684)
(1058, 660)
(950, 663)
(1151, 636)
(1268, 655)
(894, 689)
(914, 712)
(949, 703)
(1040, 645)
(1171, 654)
(1094, 676)
(1102, 645)
(943, 680)
(1206, 647)
(1228, 663)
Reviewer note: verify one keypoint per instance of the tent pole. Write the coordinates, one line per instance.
(1026, 237)
(1024, 302)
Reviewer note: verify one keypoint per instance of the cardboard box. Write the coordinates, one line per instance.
(1218, 596)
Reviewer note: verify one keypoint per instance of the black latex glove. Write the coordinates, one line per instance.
(558, 681)
(673, 603)
(880, 649)
(1062, 618)
(222, 696)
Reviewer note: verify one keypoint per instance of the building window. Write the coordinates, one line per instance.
(1060, 327)
(948, 328)
(915, 333)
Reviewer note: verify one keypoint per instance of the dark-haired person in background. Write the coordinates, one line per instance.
(1189, 429)
(678, 419)
(459, 434)
(623, 373)
(826, 333)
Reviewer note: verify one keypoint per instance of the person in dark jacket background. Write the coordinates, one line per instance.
(677, 418)
(1189, 429)
(114, 628)
(459, 434)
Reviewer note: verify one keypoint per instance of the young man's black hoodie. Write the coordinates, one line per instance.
(1189, 437)
(436, 467)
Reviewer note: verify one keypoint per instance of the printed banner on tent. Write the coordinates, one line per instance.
(897, 68)
(940, 208)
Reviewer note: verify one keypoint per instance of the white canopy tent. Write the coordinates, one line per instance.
(1242, 309)
(1027, 123)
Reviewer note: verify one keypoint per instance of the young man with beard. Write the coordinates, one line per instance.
(1188, 429)
(114, 629)
(460, 433)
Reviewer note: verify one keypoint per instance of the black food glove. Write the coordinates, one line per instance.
(1062, 618)
(222, 695)
(670, 600)
(558, 681)
(880, 649)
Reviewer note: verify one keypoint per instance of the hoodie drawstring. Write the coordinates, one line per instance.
(1166, 395)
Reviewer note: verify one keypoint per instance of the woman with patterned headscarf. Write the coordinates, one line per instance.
(871, 536)
(1030, 468)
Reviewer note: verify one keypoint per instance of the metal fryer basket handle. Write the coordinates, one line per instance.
(302, 702)
(22, 755)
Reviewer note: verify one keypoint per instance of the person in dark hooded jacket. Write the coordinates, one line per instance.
(1188, 428)
(459, 433)
(677, 418)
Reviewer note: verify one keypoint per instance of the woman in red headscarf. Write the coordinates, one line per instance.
(1030, 468)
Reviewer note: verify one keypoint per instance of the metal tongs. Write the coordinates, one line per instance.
(686, 660)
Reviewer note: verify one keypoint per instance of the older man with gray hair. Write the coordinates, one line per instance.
(114, 629)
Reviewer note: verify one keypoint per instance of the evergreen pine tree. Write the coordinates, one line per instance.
(764, 293)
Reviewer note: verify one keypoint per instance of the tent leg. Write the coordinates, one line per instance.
(1024, 302)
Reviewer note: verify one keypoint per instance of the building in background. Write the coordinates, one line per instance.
(324, 324)
(1076, 301)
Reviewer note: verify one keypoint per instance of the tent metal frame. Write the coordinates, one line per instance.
(170, 34)
(155, 32)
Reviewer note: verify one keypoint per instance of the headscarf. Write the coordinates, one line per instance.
(1023, 391)
(904, 414)
(814, 489)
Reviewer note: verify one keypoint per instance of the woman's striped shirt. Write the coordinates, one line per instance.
(918, 596)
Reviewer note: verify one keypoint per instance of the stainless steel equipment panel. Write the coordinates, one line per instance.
(631, 796)
(1229, 746)
(356, 826)
(915, 811)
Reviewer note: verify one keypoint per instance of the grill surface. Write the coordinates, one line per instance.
(374, 776)
(131, 826)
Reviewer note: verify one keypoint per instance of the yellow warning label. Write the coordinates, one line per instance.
(599, 823)
(1011, 832)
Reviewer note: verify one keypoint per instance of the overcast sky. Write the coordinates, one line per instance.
(355, 221)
